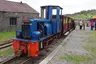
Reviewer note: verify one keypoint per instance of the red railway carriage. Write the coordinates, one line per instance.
(67, 23)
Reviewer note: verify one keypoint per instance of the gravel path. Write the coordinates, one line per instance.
(73, 45)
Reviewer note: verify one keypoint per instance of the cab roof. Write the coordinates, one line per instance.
(54, 6)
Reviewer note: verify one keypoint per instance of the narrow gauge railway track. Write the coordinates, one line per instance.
(5, 42)
(44, 53)
(16, 60)
(4, 45)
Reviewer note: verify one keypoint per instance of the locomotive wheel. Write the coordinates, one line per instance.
(19, 53)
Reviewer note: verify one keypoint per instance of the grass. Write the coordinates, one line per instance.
(92, 38)
(92, 34)
(90, 48)
(7, 51)
(4, 36)
(76, 59)
(86, 58)
(91, 45)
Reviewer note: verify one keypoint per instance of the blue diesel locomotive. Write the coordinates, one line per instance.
(36, 34)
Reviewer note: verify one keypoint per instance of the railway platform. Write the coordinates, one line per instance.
(71, 50)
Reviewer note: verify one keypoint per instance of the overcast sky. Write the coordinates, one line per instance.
(69, 6)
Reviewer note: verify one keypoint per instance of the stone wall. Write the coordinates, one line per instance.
(5, 20)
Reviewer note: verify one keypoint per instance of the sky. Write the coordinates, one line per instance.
(69, 6)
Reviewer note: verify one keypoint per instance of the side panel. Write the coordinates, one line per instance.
(48, 28)
(54, 26)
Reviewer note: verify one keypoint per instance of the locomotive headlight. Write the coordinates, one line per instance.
(26, 21)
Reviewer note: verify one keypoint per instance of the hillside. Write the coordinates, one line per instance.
(83, 14)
